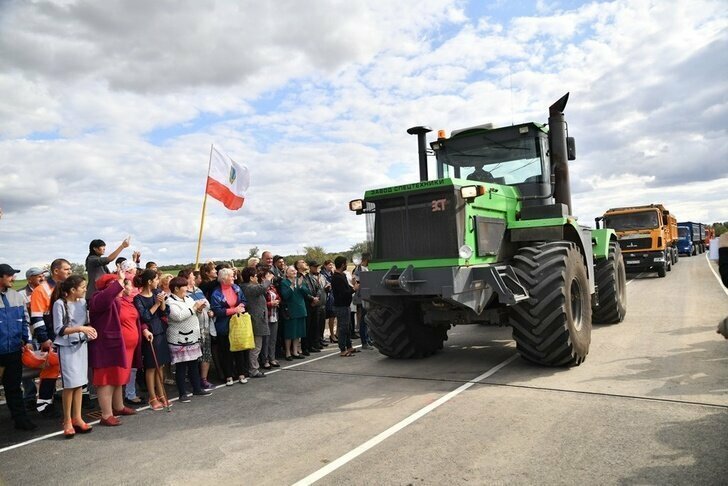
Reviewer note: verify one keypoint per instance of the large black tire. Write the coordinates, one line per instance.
(553, 327)
(398, 331)
(668, 260)
(661, 272)
(611, 280)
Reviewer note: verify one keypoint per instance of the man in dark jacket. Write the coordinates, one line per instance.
(723, 269)
(14, 334)
(315, 308)
(342, 304)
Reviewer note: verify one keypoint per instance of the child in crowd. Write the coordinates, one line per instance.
(70, 323)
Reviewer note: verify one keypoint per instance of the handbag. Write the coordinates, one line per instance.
(241, 333)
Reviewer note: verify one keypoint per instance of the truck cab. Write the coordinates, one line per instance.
(647, 235)
(690, 238)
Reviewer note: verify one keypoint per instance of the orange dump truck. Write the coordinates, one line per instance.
(647, 236)
(709, 235)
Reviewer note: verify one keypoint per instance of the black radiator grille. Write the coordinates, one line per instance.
(636, 244)
(416, 226)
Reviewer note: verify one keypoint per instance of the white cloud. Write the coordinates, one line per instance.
(316, 101)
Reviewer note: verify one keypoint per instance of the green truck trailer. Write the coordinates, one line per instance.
(491, 240)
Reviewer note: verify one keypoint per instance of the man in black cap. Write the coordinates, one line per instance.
(14, 334)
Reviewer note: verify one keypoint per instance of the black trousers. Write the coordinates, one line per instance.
(184, 368)
(321, 326)
(12, 376)
(233, 364)
(313, 328)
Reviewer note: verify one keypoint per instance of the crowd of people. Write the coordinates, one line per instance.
(115, 330)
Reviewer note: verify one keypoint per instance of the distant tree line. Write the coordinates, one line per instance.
(720, 228)
(317, 253)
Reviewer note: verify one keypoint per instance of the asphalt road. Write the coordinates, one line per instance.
(649, 406)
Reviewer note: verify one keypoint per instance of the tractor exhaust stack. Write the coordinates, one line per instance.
(421, 132)
(559, 152)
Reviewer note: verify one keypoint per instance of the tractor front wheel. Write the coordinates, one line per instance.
(398, 331)
(553, 327)
(611, 280)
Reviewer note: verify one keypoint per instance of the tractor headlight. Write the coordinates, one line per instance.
(465, 252)
(356, 205)
(469, 192)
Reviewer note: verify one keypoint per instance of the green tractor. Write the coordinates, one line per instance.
(491, 240)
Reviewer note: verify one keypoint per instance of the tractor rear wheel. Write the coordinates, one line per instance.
(611, 280)
(553, 327)
(398, 331)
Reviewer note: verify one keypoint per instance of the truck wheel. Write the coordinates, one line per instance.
(668, 260)
(553, 327)
(691, 251)
(661, 272)
(398, 331)
(695, 251)
(675, 257)
(611, 280)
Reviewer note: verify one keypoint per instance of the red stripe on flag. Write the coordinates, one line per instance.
(223, 194)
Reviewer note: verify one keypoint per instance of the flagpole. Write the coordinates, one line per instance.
(202, 218)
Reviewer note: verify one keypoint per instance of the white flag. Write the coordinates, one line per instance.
(227, 181)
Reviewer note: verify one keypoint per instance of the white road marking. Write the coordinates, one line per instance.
(333, 466)
(633, 278)
(146, 407)
(720, 282)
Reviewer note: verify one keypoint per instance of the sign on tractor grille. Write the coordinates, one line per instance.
(421, 225)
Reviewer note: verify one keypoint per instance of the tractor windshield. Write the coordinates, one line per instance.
(487, 159)
(631, 221)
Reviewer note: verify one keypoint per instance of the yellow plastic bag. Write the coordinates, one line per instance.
(241, 333)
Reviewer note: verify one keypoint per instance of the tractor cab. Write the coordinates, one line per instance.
(515, 156)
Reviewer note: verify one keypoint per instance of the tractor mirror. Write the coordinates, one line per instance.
(570, 148)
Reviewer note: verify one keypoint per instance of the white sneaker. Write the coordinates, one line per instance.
(243, 379)
(229, 382)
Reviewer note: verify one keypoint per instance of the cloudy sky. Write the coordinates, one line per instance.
(109, 109)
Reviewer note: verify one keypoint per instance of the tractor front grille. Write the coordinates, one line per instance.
(416, 226)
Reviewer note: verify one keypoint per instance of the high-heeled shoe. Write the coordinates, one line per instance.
(333, 340)
(155, 404)
(81, 427)
(69, 432)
